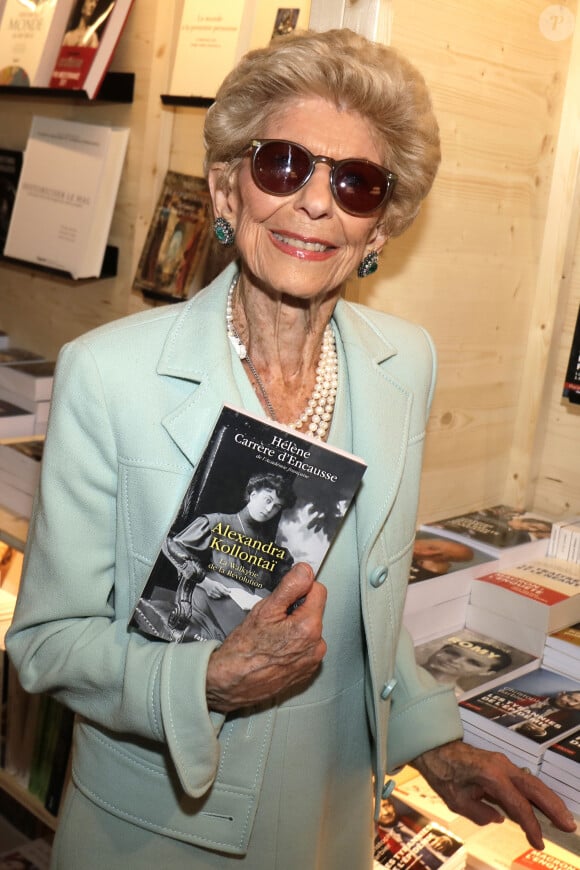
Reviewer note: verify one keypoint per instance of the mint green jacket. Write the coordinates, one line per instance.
(133, 404)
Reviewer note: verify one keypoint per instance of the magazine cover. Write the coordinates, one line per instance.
(495, 528)
(261, 498)
(405, 838)
(532, 711)
(176, 244)
(470, 660)
(435, 555)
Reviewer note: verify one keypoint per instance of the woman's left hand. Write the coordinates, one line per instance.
(470, 780)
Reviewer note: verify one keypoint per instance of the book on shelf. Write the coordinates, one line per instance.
(261, 498)
(171, 263)
(31, 380)
(33, 855)
(405, 837)
(550, 858)
(415, 791)
(90, 39)
(562, 650)
(10, 165)
(504, 628)
(210, 40)
(494, 529)
(428, 623)
(21, 458)
(66, 195)
(541, 593)
(473, 662)
(441, 569)
(15, 421)
(530, 712)
(30, 37)
(564, 541)
(10, 355)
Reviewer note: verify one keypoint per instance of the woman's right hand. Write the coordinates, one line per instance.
(272, 650)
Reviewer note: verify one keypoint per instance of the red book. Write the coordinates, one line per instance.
(91, 36)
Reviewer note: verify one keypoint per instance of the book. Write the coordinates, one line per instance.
(564, 540)
(414, 790)
(211, 39)
(564, 755)
(430, 622)
(66, 195)
(472, 662)
(171, 263)
(15, 421)
(565, 640)
(262, 497)
(550, 858)
(90, 39)
(405, 838)
(4, 337)
(441, 569)
(20, 460)
(10, 355)
(542, 593)
(494, 529)
(30, 36)
(504, 628)
(34, 855)
(531, 712)
(32, 380)
(10, 166)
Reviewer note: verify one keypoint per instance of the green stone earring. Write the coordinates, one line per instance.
(368, 264)
(224, 232)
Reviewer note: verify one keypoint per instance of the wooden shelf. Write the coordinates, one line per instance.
(117, 87)
(108, 269)
(174, 100)
(16, 790)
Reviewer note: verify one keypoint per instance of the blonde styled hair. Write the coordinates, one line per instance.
(352, 73)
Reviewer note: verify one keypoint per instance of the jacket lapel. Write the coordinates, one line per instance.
(380, 407)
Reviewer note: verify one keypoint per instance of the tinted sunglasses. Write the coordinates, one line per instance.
(359, 187)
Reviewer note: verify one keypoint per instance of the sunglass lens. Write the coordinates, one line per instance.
(360, 187)
(280, 167)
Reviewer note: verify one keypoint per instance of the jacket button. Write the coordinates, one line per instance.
(387, 690)
(388, 789)
(379, 576)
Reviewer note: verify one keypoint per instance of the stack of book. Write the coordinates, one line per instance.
(524, 716)
(406, 838)
(560, 769)
(20, 460)
(565, 541)
(25, 388)
(562, 651)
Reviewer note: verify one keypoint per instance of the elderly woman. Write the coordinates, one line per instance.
(257, 751)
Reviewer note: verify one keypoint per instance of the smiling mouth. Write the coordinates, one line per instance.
(301, 244)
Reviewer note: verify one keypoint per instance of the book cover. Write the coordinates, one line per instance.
(441, 569)
(471, 661)
(261, 498)
(211, 40)
(565, 755)
(10, 166)
(171, 264)
(405, 838)
(495, 528)
(91, 36)
(30, 37)
(566, 640)
(542, 593)
(32, 379)
(66, 195)
(550, 858)
(532, 711)
(416, 792)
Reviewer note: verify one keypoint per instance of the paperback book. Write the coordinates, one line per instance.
(91, 36)
(171, 264)
(494, 529)
(33, 380)
(261, 498)
(550, 858)
(472, 662)
(564, 756)
(441, 569)
(566, 641)
(564, 541)
(30, 36)
(531, 712)
(542, 593)
(15, 421)
(61, 218)
(405, 838)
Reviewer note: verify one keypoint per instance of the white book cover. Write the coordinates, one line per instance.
(61, 218)
(30, 37)
(542, 593)
(429, 623)
(495, 529)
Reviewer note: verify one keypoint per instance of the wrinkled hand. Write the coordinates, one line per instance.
(469, 780)
(271, 650)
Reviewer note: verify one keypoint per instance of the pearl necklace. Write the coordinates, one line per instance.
(317, 415)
